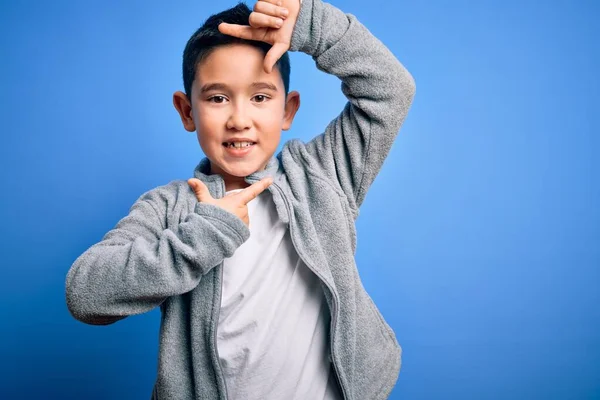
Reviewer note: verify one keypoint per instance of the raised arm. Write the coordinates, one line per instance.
(379, 90)
(141, 262)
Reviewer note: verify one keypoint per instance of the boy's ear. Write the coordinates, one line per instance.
(184, 108)
(292, 104)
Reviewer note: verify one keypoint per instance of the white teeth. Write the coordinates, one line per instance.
(239, 145)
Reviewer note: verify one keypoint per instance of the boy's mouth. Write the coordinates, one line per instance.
(238, 144)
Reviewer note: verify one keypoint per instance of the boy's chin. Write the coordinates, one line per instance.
(244, 172)
(239, 171)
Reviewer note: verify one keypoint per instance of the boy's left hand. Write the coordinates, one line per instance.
(268, 23)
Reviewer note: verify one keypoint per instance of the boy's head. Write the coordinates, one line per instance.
(236, 108)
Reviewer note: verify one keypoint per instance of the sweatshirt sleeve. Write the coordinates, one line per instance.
(378, 88)
(141, 262)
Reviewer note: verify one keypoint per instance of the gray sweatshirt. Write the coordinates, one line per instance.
(169, 250)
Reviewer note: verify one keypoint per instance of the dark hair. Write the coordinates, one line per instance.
(207, 38)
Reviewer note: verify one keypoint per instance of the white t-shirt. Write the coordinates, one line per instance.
(273, 327)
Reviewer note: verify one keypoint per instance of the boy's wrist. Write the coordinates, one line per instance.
(302, 27)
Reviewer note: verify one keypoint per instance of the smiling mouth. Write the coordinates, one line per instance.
(238, 145)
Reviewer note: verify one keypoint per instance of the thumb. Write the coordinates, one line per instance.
(200, 190)
(273, 55)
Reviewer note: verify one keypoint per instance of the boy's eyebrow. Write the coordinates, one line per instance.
(212, 86)
(221, 86)
(264, 85)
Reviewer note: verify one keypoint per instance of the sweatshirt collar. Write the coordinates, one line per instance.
(202, 171)
(216, 185)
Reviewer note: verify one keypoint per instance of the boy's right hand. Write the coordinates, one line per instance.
(273, 22)
(235, 203)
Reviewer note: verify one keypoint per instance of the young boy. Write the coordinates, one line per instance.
(252, 260)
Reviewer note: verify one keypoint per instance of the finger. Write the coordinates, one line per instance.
(246, 217)
(263, 7)
(258, 20)
(275, 2)
(241, 31)
(274, 54)
(251, 192)
(200, 190)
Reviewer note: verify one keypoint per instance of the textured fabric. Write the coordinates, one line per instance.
(273, 327)
(169, 250)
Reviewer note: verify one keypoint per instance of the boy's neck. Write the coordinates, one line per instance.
(231, 182)
(234, 182)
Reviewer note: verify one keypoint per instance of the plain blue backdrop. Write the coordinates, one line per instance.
(479, 241)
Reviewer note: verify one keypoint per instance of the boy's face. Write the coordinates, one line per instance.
(237, 110)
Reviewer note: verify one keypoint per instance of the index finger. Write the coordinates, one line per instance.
(240, 31)
(252, 191)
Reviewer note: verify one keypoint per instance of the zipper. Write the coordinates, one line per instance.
(216, 327)
(334, 311)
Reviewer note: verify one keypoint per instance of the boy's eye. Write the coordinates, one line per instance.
(217, 99)
(260, 98)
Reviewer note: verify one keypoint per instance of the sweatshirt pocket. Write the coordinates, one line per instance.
(386, 330)
(376, 354)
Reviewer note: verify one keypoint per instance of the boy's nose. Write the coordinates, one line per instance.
(239, 119)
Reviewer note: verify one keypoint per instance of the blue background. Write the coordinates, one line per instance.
(479, 241)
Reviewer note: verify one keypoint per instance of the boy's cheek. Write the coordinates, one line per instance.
(208, 123)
